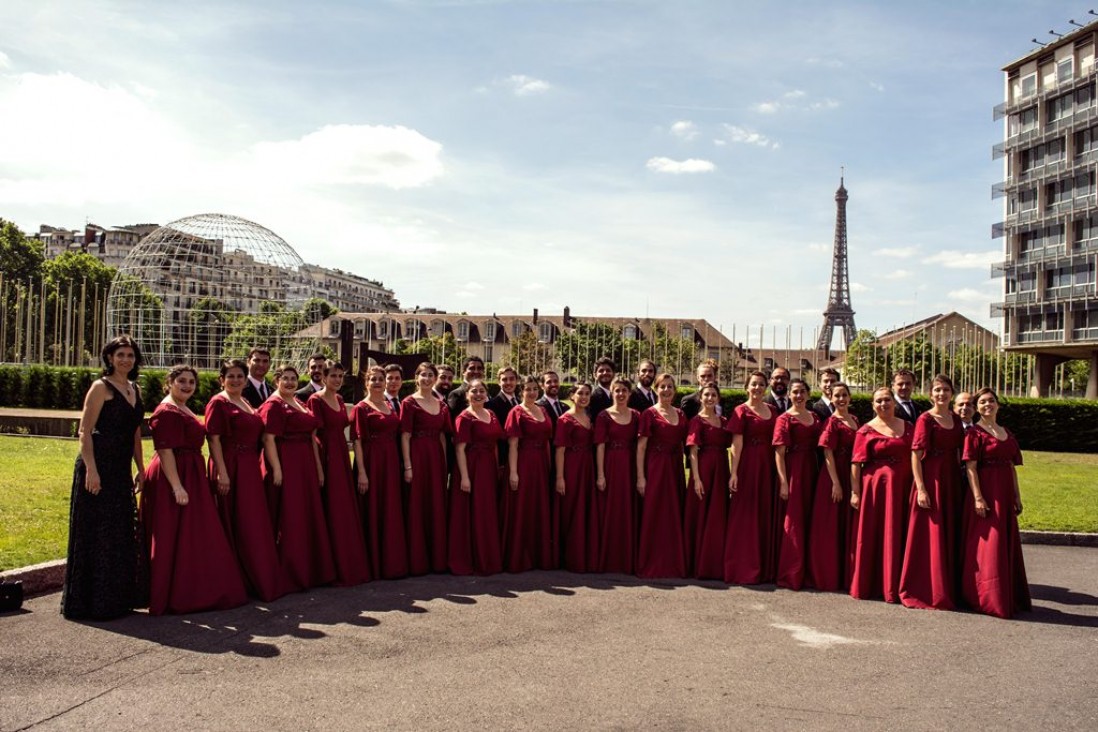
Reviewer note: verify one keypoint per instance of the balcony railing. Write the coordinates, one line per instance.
(1021, 298)
(1084, 334)
(1042, 336)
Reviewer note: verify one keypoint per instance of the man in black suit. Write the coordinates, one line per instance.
(507, 398)
(642, 397)
(600, 392)
(258, 388)
(550, 398)
(394, 379)
(779, 389)
(822, 406)
(445, 380)
(471, 369)
(317, 362)
(706, 375)
(903, 383)
(964, 409)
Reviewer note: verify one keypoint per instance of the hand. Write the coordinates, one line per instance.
(783, 490)
(181, 497)
(699, 488)
(91, 482)
(981, 507)
(836, 493)
(320, 477)
(922, 498)
(276, 477)
(1017, 506)
(855, 501)
(514, 481)
(363, 484)
(733, 484)
(641, 484)
(139, 482)
(223, 484)
(600, 482)
(466, 486)
(560, 486)
(408, 475)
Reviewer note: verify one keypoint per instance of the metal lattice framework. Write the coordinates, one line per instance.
(210, 287)
(839, 312)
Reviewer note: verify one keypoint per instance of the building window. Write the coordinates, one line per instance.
(630, 332)
(360, 329)
(1060, 107)
(411, 328)
(383, 330)
(438, 327)
(1045, 238)
(1027, 200)
(1029, 86)
(463, 330)
(333, 328)
(517, 328)
(1040, 155)
(545, 332)
(1082, 184)
(687, 333)
(1064, 70)
(490, 331)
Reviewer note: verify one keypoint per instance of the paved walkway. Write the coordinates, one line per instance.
(560, 651)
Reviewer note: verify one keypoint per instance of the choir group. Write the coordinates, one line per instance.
(918, 509)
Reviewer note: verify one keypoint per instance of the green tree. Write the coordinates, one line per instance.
(865, 361)
(578, 349)
(528, 355)
(20, 256)
(673, 353)
(77, 285)
(317, 309)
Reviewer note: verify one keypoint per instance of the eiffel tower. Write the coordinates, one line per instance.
(839, 313)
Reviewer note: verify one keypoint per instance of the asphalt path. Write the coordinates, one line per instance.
(553, 650)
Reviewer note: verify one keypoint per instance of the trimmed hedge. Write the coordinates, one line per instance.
(1057, 425)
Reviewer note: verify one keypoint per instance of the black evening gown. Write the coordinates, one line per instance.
(103, 577)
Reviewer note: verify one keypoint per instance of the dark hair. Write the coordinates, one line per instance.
(663, 377)
(390, 367)
(122, 341)
(470, 359)
(800, 381)
(427, 366)
(837, 384)
(777, 368)
(331, 365)
(605, 361)
(712, 386)
(440, 367)
(233, 363)
(752, 375)
(648, 361)
(903, 372)
(579, 385)
(529, 380)
(985, 390)
(547, 373)
(946, 381)
(260, 350)
(623, 381)
(284, 368)
(828, 370)
(177, 371)
(318, 357)
(504, 369)
(370, 370)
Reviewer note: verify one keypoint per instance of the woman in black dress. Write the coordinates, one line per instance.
(104, 568)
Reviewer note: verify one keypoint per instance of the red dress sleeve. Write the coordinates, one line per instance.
(408, 409)
(217, 417)
(734, 426)
(644, 426)
(513, 426)
(602, 428)
(564, 429)
(694, 431)
(463, 428)
(168, 429)
(921, 441)
(360, 421)
(974, 448)
(313, 404)
(1016, 457)
(781, 431)
(274, 418)
(861, 446)
(447, 426)
(829, 437)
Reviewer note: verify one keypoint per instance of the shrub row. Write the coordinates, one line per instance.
(1068, 425)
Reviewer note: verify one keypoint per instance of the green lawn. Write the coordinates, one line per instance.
(1060, 492)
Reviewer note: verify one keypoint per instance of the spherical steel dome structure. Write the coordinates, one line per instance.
(209, 287)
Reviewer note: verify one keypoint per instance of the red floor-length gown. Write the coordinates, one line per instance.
(749, 556)
(425, 508)
(382, 505)
(474, 516)
(244, 513)
(579, 520)
(706, 518)
(660, 551)
(340, 494)
(993, 572)
(801, 470)
(297, 509)
(617, 504)
(191, 565)
(829, 541)
(878, 552)
(931, 556)
(526, 522)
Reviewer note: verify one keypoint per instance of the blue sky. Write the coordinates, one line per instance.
(622, 157)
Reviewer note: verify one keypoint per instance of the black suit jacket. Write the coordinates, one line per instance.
(769, 399)
(904, 414)
(639, 401)
(305, 392)
(544, 403)
(691, 404)
(252, 395)
(822, 410)
(500, 406)
(457, 400)
(600, 400)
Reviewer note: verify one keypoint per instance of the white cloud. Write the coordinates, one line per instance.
(767, 107)
(473, 286)
(746, 136)
(820, 247)
(967, 294)
(684, 130)
(5, 62)
(690, 165)
(823, 104)
(897, 274)
(793, 94)
(523, 85)
(859, 287)
(952, 259)
(535, 286)
(896, 252)
(794, 100)
(876, 86)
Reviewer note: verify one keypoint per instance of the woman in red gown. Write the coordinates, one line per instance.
(615, 478)
(796, 436)
(375, 427)
(993, 572)
(191, 565)
(931, 558)
(880, 479)
(235, 434)
(526, 527)
(661, 485)
(706, 510)
(749, 545)
(575, 459)
(340, 497)
(294, 480)
(474, 511)
(424, 424)
(828, 557)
